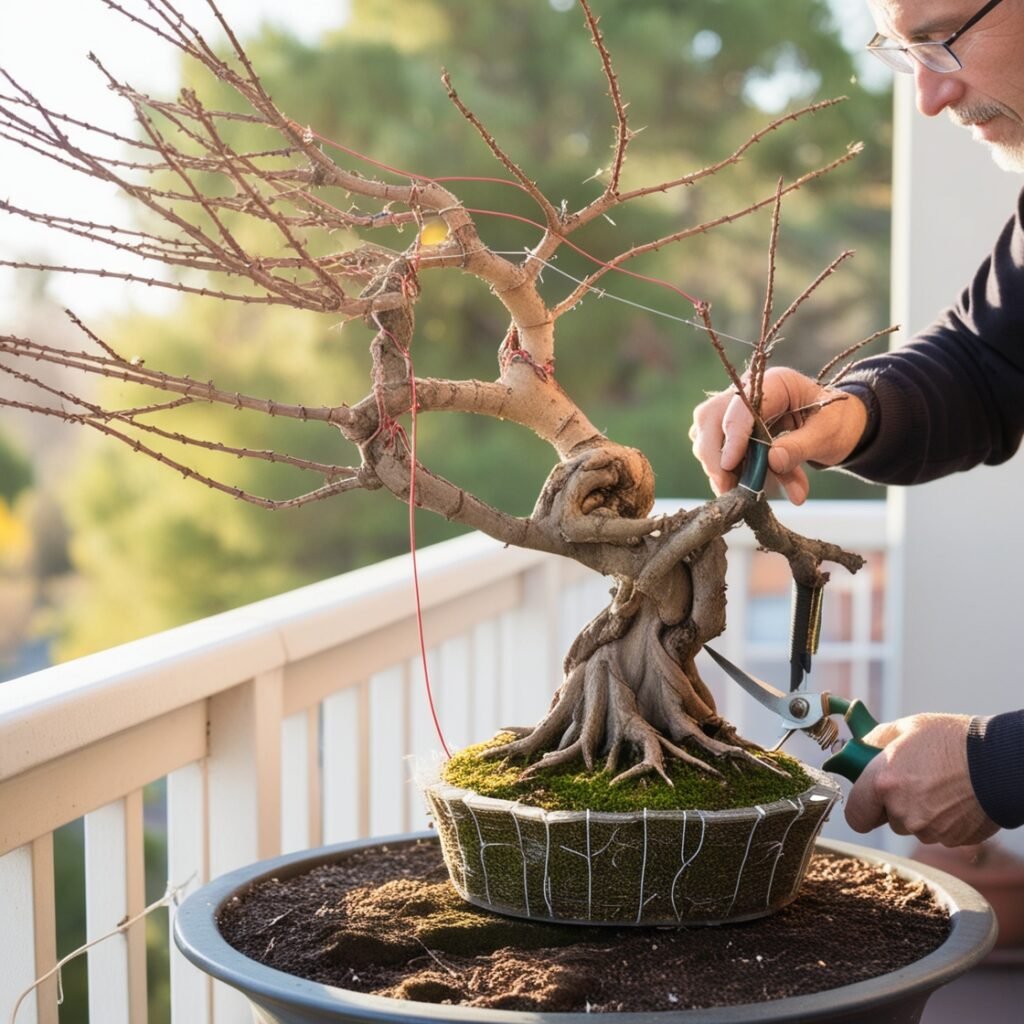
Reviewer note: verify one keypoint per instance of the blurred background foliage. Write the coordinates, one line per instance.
(149, 550)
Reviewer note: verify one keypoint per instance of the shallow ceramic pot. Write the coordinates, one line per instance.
(636, 868)
(278, 998)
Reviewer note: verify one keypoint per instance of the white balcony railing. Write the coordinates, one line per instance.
(290, 723)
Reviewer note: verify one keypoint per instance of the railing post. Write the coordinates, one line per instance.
(300, 782)
(187, 863)
(530, 658)
(27, 939)
(115, 889)
(44, 906)
(243, 793)
(732, 702)
(345, 779)
(244, 773)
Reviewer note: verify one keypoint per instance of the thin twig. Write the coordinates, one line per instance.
(806, 294)
(759, 361)
(677, 236)
(704, 312)
(550, 213)
(436, 958)
(736, 155)
(846, 353)
(622, 133)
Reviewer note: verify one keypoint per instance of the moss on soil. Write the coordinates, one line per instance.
(436, 917)
(577, 790)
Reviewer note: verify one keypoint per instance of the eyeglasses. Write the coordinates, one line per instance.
(935, 56)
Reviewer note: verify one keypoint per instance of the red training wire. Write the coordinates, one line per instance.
(407, 355)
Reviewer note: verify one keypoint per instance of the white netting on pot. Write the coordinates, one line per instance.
(642, 867)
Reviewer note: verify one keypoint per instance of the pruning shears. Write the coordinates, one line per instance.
(811, 712)
(801, 708)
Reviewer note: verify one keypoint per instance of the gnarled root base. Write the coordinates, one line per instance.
(637, 695)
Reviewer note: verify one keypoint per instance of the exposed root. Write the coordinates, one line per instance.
(654, 761)
(596, 696)
(553, 759)
(638, 693)
(552, 725)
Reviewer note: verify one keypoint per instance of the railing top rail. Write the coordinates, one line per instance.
(67, 706)
(64, 708)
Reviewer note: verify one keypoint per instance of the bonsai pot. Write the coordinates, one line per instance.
(650, 867)
(280, 998)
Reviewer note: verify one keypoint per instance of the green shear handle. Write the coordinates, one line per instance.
(855, 754)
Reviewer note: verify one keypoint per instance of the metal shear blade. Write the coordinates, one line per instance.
(811, 711)
(800, 709)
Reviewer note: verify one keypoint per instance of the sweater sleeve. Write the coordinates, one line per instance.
(953, 397)
(995, 757)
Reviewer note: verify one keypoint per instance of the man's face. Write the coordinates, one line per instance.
(987, 95)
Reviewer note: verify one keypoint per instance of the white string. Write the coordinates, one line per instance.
(483, 850)
(686, 861)
(169, 897)
(746, 856)
(643, 873)
(449, 806)
(798, 806)
(590, 874)
(601, 293)
(547, 856)
(522, 853)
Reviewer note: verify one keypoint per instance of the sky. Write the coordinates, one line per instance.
(44, 45)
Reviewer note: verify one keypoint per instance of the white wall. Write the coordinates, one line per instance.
(958, 546)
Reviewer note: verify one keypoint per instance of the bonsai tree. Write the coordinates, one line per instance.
(632, 698)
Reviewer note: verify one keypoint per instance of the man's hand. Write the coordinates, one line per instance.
(920, 783)
(803, 430)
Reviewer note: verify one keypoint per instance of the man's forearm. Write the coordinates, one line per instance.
(995, 755)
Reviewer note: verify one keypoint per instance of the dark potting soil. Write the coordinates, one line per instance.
(387, 921)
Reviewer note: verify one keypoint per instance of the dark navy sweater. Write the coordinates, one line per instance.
(950, 399)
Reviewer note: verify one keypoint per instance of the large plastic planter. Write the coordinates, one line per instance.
(896, 998)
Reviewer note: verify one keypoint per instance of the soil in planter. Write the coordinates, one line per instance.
(388, 922)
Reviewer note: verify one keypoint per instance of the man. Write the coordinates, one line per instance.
(952, 398)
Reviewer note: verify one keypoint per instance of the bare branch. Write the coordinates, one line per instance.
(804, 554)
(847, 353)
(804, 295)
(351, 307)
(677, 236)
(550, 213)
(704, 312)
(622, 132)
(123, 140)
(736, 155)
(133, 373)
(759, 362)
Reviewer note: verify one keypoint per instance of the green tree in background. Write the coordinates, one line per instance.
(154, 553)
(15, 471)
